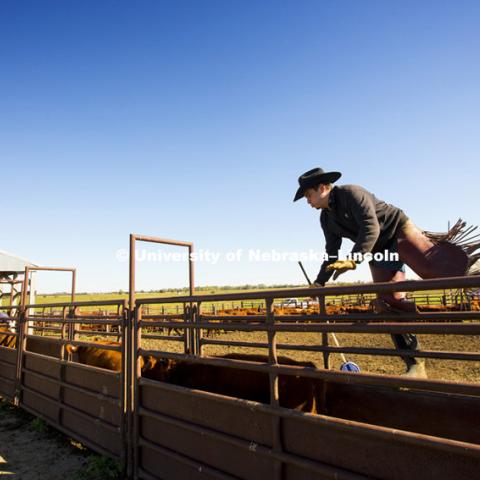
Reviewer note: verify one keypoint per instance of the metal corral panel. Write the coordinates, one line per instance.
(205, 436)
(162, 403)
(84, 402)
(432, 413)
(250, 424)
(47, 367)
(173, 466)
(44, 346)
(103, 408)
(41, 384)
(379, 452)
(94, 379)
(44, 406)
(197, 445)
(8, 359)
(211, 436)
(97, 432)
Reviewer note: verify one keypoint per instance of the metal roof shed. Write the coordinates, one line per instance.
(12, 274)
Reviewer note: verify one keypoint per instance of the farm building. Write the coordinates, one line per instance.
(12, 275)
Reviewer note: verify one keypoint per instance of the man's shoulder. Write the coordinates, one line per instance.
(352, 193)
(351, 189)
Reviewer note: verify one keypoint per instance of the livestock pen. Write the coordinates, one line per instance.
(169, 426)
(364, 426)
(85, 402)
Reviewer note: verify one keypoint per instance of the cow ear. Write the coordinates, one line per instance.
(148, 362)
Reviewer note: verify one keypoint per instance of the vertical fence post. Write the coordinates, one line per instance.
(21, 340)
(18, 362)
(66, 332)
(273, 382)
(186, 330)
(137, 373)
(197, 331)
(21, 347)
(128, 351)
(323, 311)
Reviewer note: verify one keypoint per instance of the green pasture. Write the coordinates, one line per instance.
(422, 297)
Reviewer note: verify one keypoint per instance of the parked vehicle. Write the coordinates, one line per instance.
(293, 303)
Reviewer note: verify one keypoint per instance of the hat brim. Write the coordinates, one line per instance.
(330, 177)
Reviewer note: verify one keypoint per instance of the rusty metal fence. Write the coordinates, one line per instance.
(8, 352)
(363, 425)
(423, 428)
(82, 401)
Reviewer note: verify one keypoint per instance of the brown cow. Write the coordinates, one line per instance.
(6, 338)
(97, 357)
(43, 345)
(295, 392)
(101, 357)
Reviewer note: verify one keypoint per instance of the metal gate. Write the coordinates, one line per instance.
(82, 401)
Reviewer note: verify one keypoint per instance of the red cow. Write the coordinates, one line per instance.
(6, 338)
(42, 345)
(295, 392)
(100, 357)
(97, 357)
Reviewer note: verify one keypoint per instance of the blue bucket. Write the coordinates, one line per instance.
(350, 367)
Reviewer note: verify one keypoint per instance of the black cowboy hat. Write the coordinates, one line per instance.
(312, 178)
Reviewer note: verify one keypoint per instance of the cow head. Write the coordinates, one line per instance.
(157, 368)
(71, 348)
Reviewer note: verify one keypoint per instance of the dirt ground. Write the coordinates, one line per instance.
(450, 370)
(30, 450)
(455, 371)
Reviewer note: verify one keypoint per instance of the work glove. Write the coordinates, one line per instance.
(341, 266)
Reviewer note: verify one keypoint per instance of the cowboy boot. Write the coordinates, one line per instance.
(415, 366)
(397, 303)
(417, 370)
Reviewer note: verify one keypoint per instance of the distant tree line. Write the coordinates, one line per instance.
(205, 288)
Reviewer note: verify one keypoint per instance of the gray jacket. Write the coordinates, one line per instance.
(357, 214)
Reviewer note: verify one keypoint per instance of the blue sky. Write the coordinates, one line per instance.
(193, 119)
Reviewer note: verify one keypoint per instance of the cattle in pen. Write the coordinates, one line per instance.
(295, 392)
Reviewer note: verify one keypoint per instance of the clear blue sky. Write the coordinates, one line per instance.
(193, 119)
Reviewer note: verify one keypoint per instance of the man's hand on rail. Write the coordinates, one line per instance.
(341, 266)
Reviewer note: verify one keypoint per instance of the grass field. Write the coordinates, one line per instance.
(422, 298)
